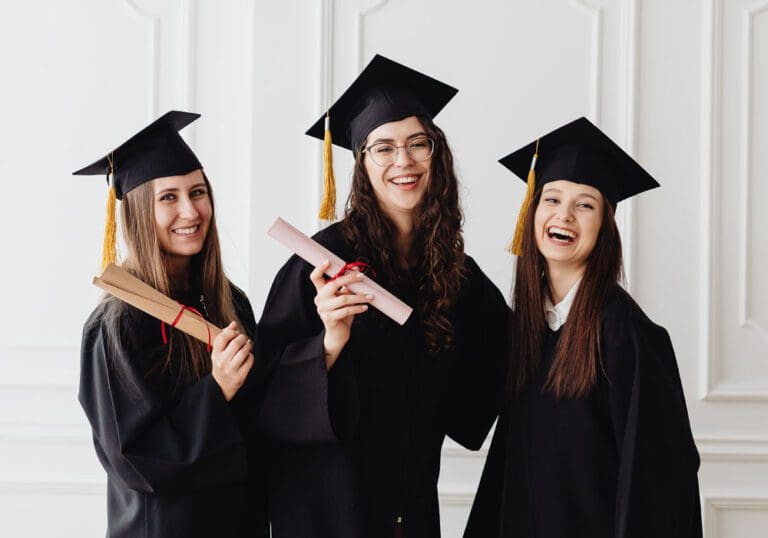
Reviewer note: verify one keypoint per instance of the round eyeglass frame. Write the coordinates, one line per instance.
(398, 148)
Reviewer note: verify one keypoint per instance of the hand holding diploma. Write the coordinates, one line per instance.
(347, 293)
(231, 355)
(231, 360)
(316, 254)
(337, 308)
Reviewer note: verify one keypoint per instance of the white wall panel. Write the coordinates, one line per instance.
(736, 347)
(727, 515)
(754, 260)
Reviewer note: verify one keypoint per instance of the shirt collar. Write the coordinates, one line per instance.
(557, 314)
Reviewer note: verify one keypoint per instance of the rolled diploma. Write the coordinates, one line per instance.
(314, 253)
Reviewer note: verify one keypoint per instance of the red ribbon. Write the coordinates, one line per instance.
(351, 265)
(178, 317)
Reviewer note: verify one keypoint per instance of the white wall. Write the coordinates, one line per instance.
(681, 85)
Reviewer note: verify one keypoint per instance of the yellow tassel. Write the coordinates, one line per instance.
(328, 204)
(109, 250)
(515, 246)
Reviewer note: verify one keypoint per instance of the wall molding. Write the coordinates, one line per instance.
(188, 60)
(630, 55)
(182, 87)
(455, 496)
(153, 62)
(325, 79)
(708, 210)
(359, 26)
(325, 66)
(628, 45)
(54, 487)
(456, 451)
(709, 222)
(711, 449)
(711, 388)
(46, 434)
(737, 392)
(596, 56)
(45, 386)
(745, 169)
(718, 501)
(732, 449)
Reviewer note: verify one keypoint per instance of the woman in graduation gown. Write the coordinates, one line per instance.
(594, 440)
(391, 393)
(170, 416)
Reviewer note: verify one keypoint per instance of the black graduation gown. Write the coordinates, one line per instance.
(369, 453)
(619, 463)
(177, 458)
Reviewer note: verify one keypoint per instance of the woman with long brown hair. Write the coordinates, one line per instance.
(594, 440)
(169, 414)
(392, 393)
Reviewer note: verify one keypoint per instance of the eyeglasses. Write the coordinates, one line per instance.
(385, 153)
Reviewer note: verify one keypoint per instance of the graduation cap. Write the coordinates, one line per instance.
(156, 151)
(385, 91)
(578, 152)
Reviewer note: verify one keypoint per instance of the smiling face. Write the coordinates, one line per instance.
(400, 186)
(567, 223)
(183, 213)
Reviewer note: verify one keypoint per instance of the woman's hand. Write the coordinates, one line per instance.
(337, 307)
(232, 360)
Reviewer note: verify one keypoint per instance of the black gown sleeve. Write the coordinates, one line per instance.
(657, 491)
(151, 443)
(477, 388)
(304, 402)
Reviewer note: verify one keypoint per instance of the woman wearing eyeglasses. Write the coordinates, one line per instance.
(390, 394)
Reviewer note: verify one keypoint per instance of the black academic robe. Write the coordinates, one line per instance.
(368, 455)
(620, 462)
(180, 459)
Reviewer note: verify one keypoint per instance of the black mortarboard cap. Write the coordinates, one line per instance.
(580, 152)
(156, 151)
(385, 91)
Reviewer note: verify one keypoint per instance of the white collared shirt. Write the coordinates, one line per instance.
(557, 314)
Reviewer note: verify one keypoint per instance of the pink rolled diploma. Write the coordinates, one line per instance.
(314, 253)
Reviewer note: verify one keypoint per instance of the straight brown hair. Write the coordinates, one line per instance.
(574, 369)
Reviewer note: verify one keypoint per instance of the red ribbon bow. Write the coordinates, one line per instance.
(351, 265)
(176, 321)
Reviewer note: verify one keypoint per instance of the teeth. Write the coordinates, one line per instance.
(561, 231)
(404, 180)
(186, 231)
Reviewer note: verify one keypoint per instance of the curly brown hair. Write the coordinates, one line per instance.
(438, 242)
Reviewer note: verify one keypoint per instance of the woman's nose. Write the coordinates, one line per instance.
(402, 158)
(188, 209)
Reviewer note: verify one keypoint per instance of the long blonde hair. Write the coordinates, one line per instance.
(147, 261)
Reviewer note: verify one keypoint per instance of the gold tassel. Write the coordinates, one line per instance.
(109, 249)
(515, 246)
(328, 204)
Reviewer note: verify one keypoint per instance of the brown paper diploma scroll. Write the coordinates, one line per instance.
(133, 291)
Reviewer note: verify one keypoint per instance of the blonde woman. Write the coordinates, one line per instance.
(169, 414)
